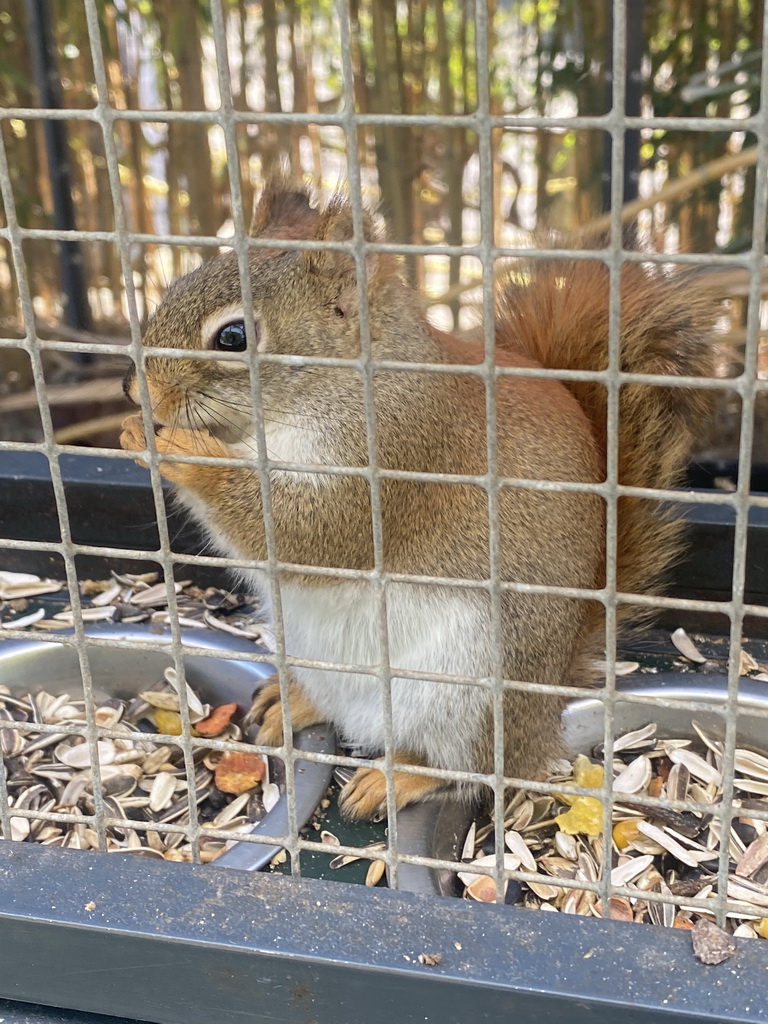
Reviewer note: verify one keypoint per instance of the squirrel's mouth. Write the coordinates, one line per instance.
(225, 423)
(229, 433)
(203, 411)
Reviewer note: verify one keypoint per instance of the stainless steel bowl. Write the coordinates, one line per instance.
(32, 665)
(438, 830)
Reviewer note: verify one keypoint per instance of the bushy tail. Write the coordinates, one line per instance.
(557, 312)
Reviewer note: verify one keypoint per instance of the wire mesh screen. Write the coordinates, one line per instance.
(375, 586)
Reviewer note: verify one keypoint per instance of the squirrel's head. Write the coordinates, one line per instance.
(305, 303)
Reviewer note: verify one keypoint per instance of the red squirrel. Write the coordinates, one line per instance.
(553, 314)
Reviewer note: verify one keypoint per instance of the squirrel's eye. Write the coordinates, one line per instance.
(231, 337)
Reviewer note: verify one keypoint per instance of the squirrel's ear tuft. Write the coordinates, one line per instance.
(284, 210)
(335, 224)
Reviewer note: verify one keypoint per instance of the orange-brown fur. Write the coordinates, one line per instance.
(306, 304)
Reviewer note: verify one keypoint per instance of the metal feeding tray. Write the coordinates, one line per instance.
(123, 672)
(438, 830)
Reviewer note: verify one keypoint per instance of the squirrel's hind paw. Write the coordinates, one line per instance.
(365, 795)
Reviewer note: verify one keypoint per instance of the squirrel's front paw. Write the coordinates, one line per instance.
(133, 437)
(365, 795)
(181, 441)
(172, 441)
(267, 712)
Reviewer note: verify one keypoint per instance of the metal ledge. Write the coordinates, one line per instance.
(12, 1012)
(110, 502)
(175, 942)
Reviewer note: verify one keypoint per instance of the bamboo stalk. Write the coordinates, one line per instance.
(675, 189)
(78, 431)
(63, 332)
(102, 389)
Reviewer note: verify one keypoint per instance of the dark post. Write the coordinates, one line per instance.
(42, 51)
(633, 97)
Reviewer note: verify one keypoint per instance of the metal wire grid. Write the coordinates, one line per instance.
(483, 123)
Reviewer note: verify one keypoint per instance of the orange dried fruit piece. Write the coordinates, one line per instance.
(237, 772)
(585, 816)
(761, 927)
(683, 922)
(217, 721)
(626, 832)
(655, 786)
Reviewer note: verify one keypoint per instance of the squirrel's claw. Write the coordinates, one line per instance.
(266, 712)
(264, 698)
(365, 795)
(133, 438)
(270, 732)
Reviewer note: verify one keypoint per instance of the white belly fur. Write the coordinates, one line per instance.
(430, 629)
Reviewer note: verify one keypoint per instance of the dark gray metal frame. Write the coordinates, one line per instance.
(179, 943)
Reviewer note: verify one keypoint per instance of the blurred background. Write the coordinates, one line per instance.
(550, 58)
